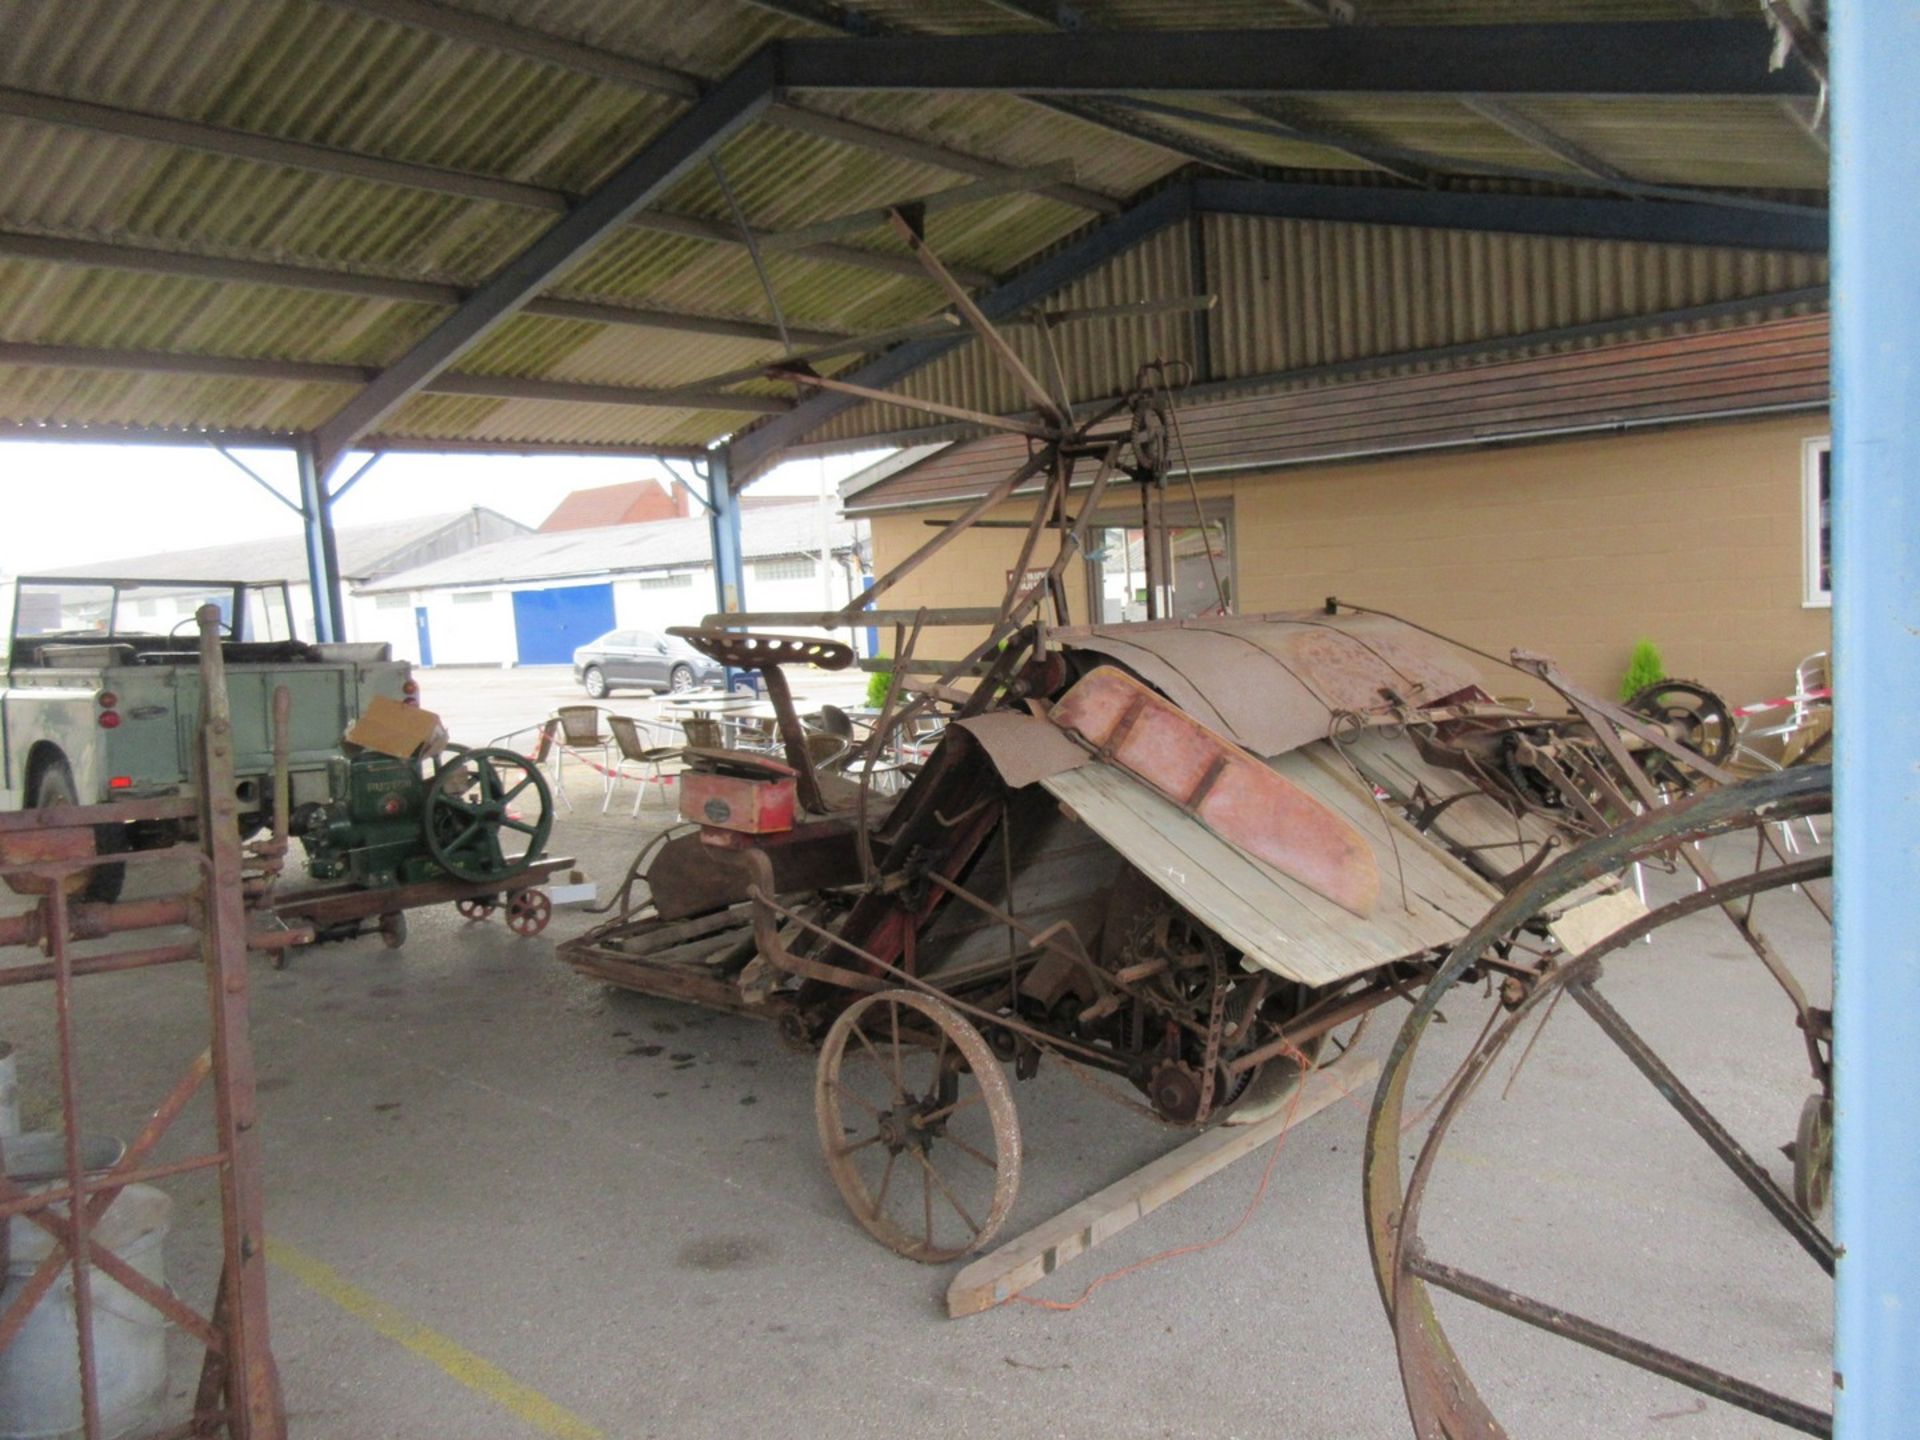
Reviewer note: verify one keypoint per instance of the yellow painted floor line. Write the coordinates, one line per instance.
(478, 1375)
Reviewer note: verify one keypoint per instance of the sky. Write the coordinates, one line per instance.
(71, 504)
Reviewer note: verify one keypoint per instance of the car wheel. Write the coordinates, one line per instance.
(54, 786)
(595, 681)
(681, 680)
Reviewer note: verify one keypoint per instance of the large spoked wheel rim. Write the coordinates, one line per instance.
(489, 813)
(1442, 1398)
(917, 1125)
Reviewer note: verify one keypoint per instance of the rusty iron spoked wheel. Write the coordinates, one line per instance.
(1442, 1398)
(918, 1125)
(478, 909)
(528, 911)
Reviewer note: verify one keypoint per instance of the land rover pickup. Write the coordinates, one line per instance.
(102, 696)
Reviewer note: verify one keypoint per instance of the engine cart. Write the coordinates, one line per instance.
(467, 827)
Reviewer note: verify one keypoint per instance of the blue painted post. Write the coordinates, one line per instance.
(1876, 622)
(323, 564)
(723, 520)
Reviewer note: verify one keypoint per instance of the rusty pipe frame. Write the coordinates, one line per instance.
(238, 1363)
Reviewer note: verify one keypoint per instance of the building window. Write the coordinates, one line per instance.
(473, 597)
(401, 601)
(1195, 561)
(666, 582)
(1816, 488)
(801, 567)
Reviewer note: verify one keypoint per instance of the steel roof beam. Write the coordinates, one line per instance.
(491, 34)
(1691, 58)
(373, 444)
(326, 160)
(1655, 222)
(886, 142)
(1541, 137)
(418, 445)
(682, 144)
(81, 434)
(849, 21)
(488, 33)
(758, 447)
(314, 372)
(143, 261)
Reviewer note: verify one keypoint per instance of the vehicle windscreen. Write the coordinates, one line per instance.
(82, 610)
(66, 609)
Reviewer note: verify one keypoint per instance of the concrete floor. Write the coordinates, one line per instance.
(510, 1203)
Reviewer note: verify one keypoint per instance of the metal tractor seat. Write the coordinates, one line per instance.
(766, 654)
(744, 651)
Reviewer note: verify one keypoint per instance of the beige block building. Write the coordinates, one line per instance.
(1702, 531)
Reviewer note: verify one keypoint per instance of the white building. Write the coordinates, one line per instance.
(532, 599)
(367, 552)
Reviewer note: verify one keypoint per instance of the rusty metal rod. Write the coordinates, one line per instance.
(110, 1184)
(104, 964)
(90, 921)
(1634, 1351)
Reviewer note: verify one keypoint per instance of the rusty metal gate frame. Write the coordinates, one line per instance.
(239, 1391)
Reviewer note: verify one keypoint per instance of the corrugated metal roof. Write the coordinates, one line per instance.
(1298, 293)
(765, 532)
(532, 134)
(1780, 365)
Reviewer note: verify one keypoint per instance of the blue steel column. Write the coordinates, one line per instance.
(723, 523)
(723, 519)
(323, 561)
(1876, 621)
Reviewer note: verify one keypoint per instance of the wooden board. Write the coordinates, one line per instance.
(997, 1277)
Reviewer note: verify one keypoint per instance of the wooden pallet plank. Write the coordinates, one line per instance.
(1027, 1259)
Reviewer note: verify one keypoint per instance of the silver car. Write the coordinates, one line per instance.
(643, 660)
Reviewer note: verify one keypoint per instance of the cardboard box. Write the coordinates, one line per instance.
(405, 732)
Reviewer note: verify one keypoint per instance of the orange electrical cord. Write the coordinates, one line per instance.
(1259, 1193)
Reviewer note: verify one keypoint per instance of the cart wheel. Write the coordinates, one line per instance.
(1813, 1155)
(1408, 1228)
(393, 929)
(478, 908)
(918, 1125)
(528, 912)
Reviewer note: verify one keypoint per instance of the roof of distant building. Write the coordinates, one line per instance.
(631, 503)
(766, 531)
(366, 552)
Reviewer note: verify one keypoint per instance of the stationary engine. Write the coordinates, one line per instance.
(479, 816)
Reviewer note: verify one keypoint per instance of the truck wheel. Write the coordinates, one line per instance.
(595, 682)
(54, 786)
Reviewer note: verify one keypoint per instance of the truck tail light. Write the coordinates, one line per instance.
(109, 719)
(107, 699)
(120, 782)
(410, 692)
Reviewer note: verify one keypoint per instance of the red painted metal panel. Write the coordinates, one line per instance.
(758, 807)
(1225, 788)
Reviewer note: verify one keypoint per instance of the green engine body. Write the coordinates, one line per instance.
(374, 831)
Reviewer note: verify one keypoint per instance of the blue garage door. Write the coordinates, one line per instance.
(554, 623)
